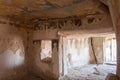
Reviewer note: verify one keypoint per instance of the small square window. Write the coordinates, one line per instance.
(46, 50)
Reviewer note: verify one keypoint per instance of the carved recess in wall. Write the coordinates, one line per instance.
(11, 52)
(12, 44)
(55, 46)
(64, 24)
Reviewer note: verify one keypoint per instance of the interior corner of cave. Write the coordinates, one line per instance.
(59, 39)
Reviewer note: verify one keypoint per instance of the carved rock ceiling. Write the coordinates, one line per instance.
(28, 9)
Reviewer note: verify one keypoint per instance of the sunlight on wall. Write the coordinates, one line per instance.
(78, 52)
(13, 59)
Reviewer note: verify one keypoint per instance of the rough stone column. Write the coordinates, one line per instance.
(62, 56)
(65, 55)
(29, 52)
(114, 6)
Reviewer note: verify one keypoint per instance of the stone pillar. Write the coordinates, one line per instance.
(114, 6)
(29, 52)
(65, 55)
(62, 56)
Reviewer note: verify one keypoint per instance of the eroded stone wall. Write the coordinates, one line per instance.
(12, 52)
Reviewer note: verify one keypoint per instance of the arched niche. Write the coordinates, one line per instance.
(12, 52)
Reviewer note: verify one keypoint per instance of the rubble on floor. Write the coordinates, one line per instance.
(90, 72)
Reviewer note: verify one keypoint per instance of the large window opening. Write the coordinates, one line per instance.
(88, 58)
(110, 50)
(49, 50)
(77, 52)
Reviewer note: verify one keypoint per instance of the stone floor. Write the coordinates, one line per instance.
(90, 72)
(25, 77)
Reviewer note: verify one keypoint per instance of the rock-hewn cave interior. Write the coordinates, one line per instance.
(59, 40)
